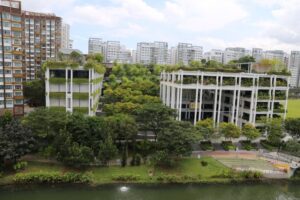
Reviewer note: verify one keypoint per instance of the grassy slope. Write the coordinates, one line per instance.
(294, 108)
(101, 175)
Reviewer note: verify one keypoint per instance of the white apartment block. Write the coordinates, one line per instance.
(144, 53)
(160, 53)
(172, 54)
(278, 55)
(214, 54)
(234, 53)
(152, 53)
(66, 42)
(96, 45)
(111, 52)
(73, 90)
(294, 67)
(187, 52)
(124, 56)
(257, 54)
(225, 97)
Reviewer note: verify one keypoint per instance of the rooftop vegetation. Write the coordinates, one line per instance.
(74, 60)
(272, 67)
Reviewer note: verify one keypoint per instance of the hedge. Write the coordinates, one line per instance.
(83, 110)
(97, 80)
(59, 109)
(80, 80)
(79, 95)
(57, 95)
(51, 177)
(57, 80)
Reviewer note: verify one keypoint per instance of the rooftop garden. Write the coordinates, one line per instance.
(272, 67)
(74, 60)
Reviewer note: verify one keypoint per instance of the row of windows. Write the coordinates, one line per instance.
(8, 79)
(11, 17)
(11, 87)
(10, 102)
(10, 94)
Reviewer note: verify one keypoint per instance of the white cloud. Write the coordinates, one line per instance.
(47, 5)
(203, 15)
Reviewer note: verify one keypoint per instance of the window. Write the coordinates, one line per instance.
(16, 18)
(69, 102)
(5, 15)
(19, 102)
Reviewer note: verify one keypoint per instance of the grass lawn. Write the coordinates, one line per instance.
(294, 108)
(100, 175)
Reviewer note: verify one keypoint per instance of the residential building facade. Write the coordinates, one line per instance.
(96, 45)
(66, 42)
(215, 55)
(42, 39)
(234, 53)
(11, 60)
(152, 53)
(257, 54)
(225, 97)
(187, 52)
(294, 67)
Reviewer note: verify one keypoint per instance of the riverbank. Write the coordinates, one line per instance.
(188, 170)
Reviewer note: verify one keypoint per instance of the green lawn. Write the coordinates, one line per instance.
(294, 108)
(186, 167)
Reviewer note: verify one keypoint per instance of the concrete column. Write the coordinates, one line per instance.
(47, 88)
(286, 99)
(215, 102)
(220, 101)
(234, 101)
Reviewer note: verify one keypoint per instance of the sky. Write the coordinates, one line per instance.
(213, 24)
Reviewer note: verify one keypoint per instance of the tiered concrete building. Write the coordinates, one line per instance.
(73, 90)
(225, 97)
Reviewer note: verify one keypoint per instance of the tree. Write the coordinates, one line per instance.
(71, 153)
(293, 147)
(292, 126)
(154, 117)
(229, 130)
(206, 128)
(107, 151)
(274, 129)
(176, 139)
(246, 59)
(15, 141)
(250, 132)
(123, 128)
(5, 119)
(34, 92)
(45, 124)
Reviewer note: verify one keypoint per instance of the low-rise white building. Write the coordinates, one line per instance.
(225, 96)
(73, 89)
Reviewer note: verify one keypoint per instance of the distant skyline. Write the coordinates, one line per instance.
(267, 24)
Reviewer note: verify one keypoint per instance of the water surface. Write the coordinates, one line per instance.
(285, 191)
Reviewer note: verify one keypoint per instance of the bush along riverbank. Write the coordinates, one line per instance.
(189, 170)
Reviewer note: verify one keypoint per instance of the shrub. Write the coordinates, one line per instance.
(51, 177)
(251, 174)
(20, 166)
(168, 178)
(126, 178)
(226, 174)
(206, 146)
(228, 145)
(204, 163)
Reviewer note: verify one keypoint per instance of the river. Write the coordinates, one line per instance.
(283, 191)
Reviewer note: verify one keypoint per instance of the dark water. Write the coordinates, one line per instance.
(286, 191)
